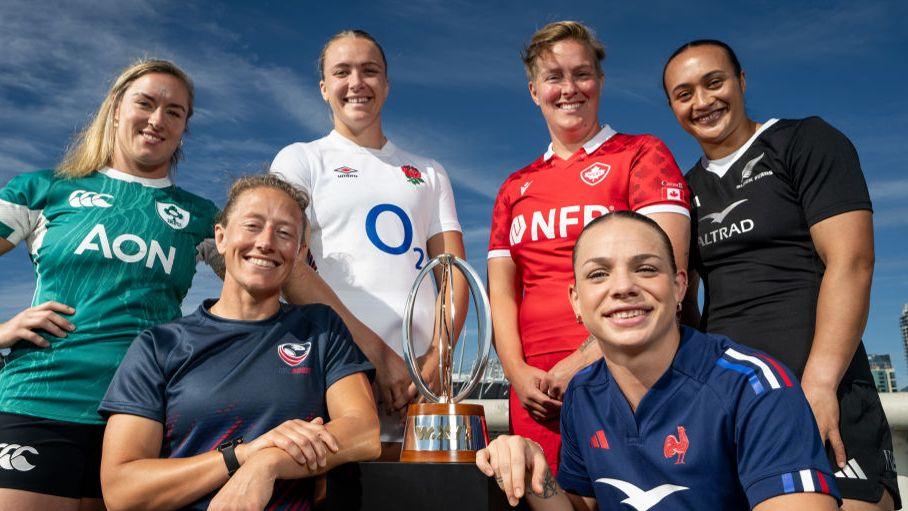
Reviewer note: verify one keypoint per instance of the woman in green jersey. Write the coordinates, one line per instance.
(115, 244)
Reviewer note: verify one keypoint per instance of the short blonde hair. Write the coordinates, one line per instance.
(542, 41)
(267, 180)
(92, 148)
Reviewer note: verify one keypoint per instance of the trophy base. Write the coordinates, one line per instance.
(444, 433)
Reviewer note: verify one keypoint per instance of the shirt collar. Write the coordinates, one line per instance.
(591, 145)
(161, 182)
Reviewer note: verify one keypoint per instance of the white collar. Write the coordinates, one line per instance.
(720, 166)
(385, 150)
(591, 145)
(161, 182)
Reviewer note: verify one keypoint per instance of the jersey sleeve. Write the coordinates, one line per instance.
(292, 164)
(342, 356)
(499, 236)
(22, 203)
(655, 182)
(445, 216)
(138, 386)
(572, 474)
(825, 171)
(778, 446)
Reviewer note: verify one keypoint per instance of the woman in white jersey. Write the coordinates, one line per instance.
(378, 215)
(115, 245)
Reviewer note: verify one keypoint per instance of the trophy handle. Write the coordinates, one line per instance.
(484, 330)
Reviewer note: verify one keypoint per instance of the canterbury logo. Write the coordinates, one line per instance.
(718, 218)
(12, 457)
(851, 471)
(86, 199)
(639, 499)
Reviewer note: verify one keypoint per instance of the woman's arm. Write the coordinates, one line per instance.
(525, 379)
(798, 502)
(677, 226)
(845, 244)
(354, 424)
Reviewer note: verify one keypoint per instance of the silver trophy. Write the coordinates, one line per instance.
(443, 429)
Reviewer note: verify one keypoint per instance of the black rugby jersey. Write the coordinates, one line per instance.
(750, 234)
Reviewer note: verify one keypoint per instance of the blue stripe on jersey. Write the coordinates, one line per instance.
(788, 483)
(749, 372)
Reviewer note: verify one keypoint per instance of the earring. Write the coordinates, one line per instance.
(579, 320)
(679, 306)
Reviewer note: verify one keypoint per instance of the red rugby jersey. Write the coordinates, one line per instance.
(541, 209)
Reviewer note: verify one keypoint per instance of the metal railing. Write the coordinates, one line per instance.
(896, 406)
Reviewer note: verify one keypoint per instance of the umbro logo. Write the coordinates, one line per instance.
(639, 499)
(12, 457)
(851, 471)
(87, 199)
(598, 440)
(346, 171)
(719, 217)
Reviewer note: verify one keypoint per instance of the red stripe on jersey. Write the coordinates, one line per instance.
(823, 486)
(779, 369)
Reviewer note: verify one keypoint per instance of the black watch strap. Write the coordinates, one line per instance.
(227, 451)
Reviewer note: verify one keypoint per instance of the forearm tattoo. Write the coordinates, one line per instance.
(549, 487)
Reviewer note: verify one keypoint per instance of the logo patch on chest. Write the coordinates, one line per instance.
(294, 354)
(595, 173)
(346, 171)
(173, 215)
(413, 175)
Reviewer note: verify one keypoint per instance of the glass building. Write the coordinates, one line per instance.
(883, 373)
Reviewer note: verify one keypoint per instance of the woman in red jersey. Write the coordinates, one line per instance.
(587, 171)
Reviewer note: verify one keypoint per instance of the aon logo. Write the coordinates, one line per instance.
(97, 240)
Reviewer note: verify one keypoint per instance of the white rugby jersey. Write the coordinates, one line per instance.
(372, 212)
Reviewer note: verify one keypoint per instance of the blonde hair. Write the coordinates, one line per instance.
(92, 148)
(355, 33)
(542, 41)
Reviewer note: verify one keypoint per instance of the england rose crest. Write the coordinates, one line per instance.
(413, 174)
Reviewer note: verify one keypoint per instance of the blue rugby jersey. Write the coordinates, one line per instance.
(726, 427)
(208, 379)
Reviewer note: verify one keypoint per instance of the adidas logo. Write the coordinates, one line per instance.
(851, 471)
(12, 457)
(598, 440)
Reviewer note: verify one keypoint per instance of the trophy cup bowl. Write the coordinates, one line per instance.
(442, 429)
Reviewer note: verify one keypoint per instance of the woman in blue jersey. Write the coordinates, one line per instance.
(278, 389)
(114, 243)
(784, 244)
(669, 418)
(378, 214)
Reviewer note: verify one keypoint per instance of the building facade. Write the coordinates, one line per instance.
(883, 373)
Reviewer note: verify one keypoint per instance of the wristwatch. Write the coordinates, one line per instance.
(227, 450)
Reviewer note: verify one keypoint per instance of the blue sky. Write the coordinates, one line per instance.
(458, 92)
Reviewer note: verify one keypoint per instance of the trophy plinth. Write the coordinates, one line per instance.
(444, 433)
(443, 430)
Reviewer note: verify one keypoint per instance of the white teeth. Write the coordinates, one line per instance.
(264, 263)
(714, 116)
(628, 314)
(358, 100)
(151, 138)
(570, 106)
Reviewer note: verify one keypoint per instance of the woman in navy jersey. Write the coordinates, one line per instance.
(240, 404)
(115, 244)
(588, 170)
(668, 417)
(784, 245)
(378, 214)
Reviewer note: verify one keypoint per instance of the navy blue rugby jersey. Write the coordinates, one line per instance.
(726, 427)
(208, 379)
(750, 231)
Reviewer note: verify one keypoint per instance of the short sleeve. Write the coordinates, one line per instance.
(499, 236)
(655, 182)
(138, 386)
(22, 203)
(572, 473)
(825, 171)
(778, 446)
(445, 216)
(292, 165)
(342, 356)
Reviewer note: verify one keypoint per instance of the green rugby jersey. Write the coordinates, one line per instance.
(121, 250)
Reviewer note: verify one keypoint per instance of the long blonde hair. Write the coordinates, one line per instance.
(92, 148)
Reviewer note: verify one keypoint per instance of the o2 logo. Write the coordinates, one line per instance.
(405, 245)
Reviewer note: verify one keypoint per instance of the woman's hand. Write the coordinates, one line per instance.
(526, 382)
(249, 489)
(516, 463)
(22, 326)
(392, 378)
(306, 442)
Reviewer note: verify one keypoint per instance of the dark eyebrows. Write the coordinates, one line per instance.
(607, 261)
(718, 73)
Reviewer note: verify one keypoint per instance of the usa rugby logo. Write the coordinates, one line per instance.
(173, 215)
(595, 173)
(294, 354)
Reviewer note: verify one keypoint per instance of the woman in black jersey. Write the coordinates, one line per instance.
(784, 243)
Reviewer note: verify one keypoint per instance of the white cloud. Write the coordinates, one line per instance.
(886, 190)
